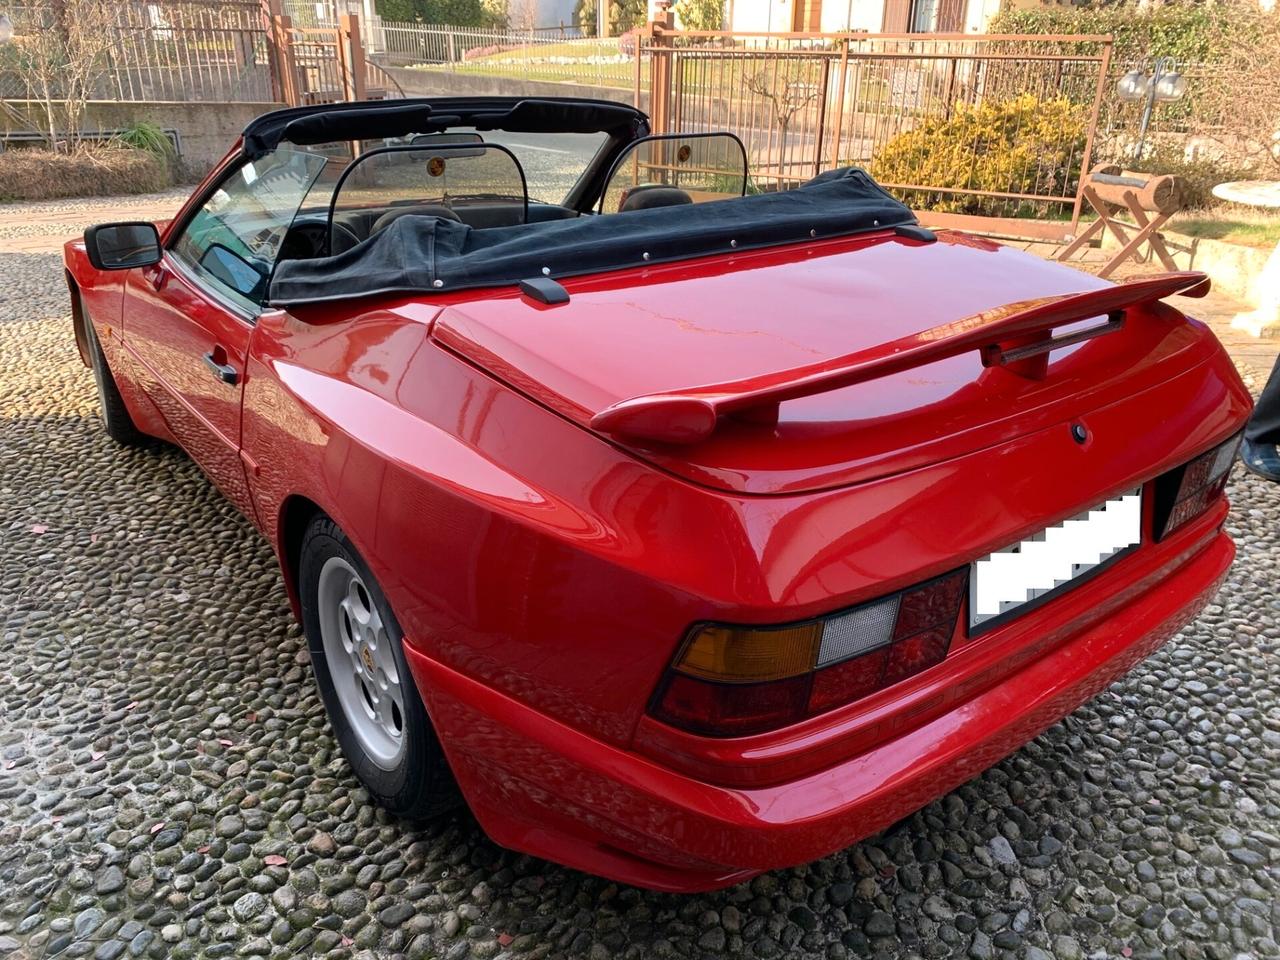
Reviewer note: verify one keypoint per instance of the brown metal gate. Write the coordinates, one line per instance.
(325, 63)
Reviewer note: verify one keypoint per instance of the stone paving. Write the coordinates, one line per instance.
(169, 786)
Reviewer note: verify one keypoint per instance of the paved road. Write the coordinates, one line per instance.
(169, 786)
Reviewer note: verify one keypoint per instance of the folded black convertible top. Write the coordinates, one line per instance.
(432, 255)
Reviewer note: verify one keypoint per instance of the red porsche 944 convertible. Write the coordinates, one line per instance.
(687, 529)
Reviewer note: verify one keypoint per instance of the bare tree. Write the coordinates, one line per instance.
(1238, 105)
(59, 53)
(522, 14)
(788, 91)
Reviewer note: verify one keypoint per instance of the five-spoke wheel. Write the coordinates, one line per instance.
(364, 670)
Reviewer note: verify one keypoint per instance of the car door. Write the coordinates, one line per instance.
(189, 319)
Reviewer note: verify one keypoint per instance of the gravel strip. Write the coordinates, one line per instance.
(169, 786)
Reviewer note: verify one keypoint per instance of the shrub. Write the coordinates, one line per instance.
(623, 15)
(147, 136)
(29, 174)
(700, 14)
(1022, 145)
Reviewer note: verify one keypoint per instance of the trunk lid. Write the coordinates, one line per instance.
(678, 326)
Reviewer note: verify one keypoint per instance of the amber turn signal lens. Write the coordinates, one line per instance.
(750, 655)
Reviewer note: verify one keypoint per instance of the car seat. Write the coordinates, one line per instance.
(650, 195)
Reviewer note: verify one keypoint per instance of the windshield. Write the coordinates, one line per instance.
(553, 163)
(693, 168)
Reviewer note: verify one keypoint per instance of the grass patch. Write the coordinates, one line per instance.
(621, 75)
(574, 49)
(589, 62)
(1246, 229)
(30, 174)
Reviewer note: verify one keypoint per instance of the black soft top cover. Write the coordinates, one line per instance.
(431, 255)
(364, 120)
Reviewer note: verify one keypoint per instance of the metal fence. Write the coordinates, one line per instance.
(552, 53)
(190, 50)
(911, 106)
(327, 64)
(312, 13)
(804, 103)
(214, 50)
(175, 50)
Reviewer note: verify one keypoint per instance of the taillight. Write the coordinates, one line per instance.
(731, 681)
(1186, 492)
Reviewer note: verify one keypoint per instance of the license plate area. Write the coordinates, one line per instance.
(1009, 582)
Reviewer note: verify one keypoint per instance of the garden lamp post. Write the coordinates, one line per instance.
(1164, 84)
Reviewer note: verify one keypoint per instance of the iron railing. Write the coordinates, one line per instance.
(175, 50)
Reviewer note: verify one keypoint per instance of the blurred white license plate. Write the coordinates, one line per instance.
(1054, 560)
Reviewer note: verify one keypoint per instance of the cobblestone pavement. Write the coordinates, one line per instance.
(169, 786)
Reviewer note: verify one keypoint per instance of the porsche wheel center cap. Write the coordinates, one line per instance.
(367, 657)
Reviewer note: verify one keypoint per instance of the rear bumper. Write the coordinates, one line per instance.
(539, 786)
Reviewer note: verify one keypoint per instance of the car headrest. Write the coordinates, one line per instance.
(421, 210)
(650, 195)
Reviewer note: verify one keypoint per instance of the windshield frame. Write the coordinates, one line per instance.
(436, 149)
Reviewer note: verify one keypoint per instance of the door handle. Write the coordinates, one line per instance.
(223, 371)
(157, 276)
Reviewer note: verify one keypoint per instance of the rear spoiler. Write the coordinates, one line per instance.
(1017, 336)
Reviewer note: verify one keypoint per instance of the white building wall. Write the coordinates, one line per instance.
(761, 16)
(552, 13)
(838, 15)
(755, 16)
(979, 14)
(775, 16)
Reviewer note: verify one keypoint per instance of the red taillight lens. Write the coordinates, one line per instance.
(732, 681)
(848, 681)
(1186, 492)
(731, 709)
(927, 606)
(916, 653)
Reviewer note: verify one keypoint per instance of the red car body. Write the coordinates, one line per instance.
(546, 573)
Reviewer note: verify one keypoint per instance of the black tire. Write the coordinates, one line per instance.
(420, 784)
(116, 421)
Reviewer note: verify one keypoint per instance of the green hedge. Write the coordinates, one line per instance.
(1190, 34)
(460, 13)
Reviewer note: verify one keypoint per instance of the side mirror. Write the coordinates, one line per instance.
(122, 246)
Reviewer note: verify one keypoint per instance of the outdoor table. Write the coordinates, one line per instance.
(1258, 193)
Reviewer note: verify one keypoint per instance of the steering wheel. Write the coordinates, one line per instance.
(305, 241)
(347, 235)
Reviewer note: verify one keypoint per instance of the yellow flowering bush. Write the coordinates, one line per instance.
(1020, 145)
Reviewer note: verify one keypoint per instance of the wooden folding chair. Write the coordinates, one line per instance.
(1151, 201)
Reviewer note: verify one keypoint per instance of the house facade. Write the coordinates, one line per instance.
(874, 16)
